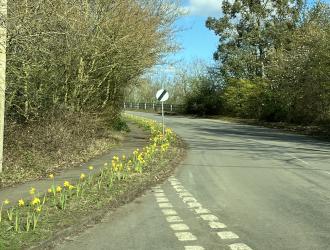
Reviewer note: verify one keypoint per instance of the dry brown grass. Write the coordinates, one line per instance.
(34, 150)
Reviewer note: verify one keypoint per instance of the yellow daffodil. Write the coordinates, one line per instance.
(90, 168)
(6, 202)
(39, 209)
(49, 190)
(51, 176)
(82, 176)
(32, 191)
(66, 184)
(58, 189)
(21, 203)
(71, 187)
(35, 201)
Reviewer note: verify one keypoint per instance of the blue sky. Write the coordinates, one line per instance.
(196, 40)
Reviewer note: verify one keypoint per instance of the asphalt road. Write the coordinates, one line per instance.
(241, 187)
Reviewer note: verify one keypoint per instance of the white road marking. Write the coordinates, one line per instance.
(216, 225)
(180, 190)
(185, 194)
(158, 190)
(169, 212)
(189, 199)
(165, 205)
(239, 246)
(202, 211)
(227, 235)
(172, 219)
(162, 199)
(298, 158)
(194, 204)
(209, 217)
(194, 248)
(159, 194)
(179, 227)
(185, 236)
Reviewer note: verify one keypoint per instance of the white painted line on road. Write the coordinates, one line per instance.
(162, 199)
(209, 217)
(172, 219)
(227, 235)
(169, 212)
(194, 248)
(239, 246)
(202, 211)
(298, 158)
(216, 225)
(159, 194)
(194, 205)
(189, 199)
(158, 190)
(185, 236)
(180, 190)
(185, 194)
(165, 205)
(179, 227)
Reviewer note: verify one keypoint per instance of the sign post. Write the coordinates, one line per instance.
(162, 96)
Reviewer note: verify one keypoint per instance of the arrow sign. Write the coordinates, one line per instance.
(162, 95)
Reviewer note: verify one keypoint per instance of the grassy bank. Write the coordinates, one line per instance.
(66, 209)
(34, 150)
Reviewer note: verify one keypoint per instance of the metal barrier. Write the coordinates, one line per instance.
(175, 108)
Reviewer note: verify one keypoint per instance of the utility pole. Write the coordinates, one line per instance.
(3, 61)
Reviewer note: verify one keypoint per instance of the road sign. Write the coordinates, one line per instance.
(162, 95)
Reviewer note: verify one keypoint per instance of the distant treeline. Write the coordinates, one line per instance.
(272, 63)
(81, 55)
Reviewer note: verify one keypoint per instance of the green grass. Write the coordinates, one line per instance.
(56, 223)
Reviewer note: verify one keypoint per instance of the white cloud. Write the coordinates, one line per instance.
(203, 8)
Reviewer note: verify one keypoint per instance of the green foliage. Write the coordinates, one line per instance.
(274, 60)
(81, 55)
(248, 31)
(204, 97)
(300, 74)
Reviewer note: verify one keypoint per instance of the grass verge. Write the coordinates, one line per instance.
(67, 209)
(34, 150)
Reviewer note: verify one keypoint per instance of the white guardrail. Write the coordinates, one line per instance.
(153, 107)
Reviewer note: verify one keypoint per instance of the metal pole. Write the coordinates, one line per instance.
(163, 118)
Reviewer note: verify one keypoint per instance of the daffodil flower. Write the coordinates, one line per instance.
(32, 191)
(21, 203)
(66, 184)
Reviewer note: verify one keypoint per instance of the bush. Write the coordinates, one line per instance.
(204, 99)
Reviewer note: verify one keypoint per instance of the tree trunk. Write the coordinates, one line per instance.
(3, 45)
